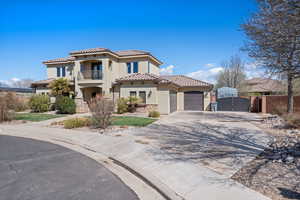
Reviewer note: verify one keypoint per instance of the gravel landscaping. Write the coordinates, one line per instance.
(276, 171)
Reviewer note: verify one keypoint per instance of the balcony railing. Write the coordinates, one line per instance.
(90, 75)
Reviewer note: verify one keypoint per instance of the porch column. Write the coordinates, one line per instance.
(78, 91)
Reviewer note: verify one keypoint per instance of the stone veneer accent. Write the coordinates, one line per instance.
(81, 106)
(147, 108)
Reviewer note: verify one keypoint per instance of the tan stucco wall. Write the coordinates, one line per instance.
(164, 101)
(43, 90)
(52, 72)
(206, 101)
(180, 101)
(150, 89)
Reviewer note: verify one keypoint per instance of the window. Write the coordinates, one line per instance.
(135, 67)
(63, 71)
(142, 95)
(129, 68)
(133, 93)
(58, 71)
(132, 67)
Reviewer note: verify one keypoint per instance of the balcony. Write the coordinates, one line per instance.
(90, 76)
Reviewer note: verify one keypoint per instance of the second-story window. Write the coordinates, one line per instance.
(132, 67)
(60, 71)
(129, 68)
(135, 67)
(63, 71)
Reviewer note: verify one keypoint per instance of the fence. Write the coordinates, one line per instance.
(269, 104)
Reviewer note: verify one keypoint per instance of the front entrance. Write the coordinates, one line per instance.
(91, 92)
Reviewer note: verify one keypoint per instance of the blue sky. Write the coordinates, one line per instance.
(190, 37)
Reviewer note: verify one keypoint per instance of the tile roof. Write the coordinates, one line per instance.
(263, 85)
(60, 60)
(91, 50)
(139, 77)
(185, 81)
(131, 52)
(118, 54)
(179, 80)
(42, 82)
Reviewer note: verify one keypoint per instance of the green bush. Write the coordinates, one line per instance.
(39, 103)
(122, 105)
(76, 123)
(154, 114)
(65, 105)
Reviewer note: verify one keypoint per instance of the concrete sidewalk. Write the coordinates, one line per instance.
(176, 178)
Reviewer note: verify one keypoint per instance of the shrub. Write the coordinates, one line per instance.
(154, 114)
(39, 103)
(60, 87)
(101, 110)
(292, 120)
(65, 105)
(76, 123)
(122, 106)
(6, 114)
(15, 102)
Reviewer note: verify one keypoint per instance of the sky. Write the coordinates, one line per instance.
(189, 37)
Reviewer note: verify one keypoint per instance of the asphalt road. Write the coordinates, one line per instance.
(35, 170)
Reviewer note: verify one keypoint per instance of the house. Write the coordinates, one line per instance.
(262, 86)
(116, 74)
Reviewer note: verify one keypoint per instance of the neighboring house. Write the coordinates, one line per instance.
(262, 86)
(116, 74)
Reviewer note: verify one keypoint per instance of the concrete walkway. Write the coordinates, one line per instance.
(151, 157)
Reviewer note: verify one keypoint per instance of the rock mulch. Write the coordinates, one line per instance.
(275, 172)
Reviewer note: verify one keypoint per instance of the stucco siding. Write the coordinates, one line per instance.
(164, 101)
(52, 71)
(42, 91)
(150, 89)
(180, 101)
(154, 69)
(206, 100)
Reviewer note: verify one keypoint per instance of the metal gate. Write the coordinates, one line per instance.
(173, 101)
(233, 104)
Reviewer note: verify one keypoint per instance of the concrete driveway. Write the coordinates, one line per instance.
(187, 155)
(31, 169)
(221, 141)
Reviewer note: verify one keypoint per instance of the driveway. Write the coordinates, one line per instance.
(186, 155)
(31, 169)
(221, 141)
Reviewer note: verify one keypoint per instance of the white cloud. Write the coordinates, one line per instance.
(206, 75)
(254, 69)
(210, 65)
(10, 82)
(167, 70)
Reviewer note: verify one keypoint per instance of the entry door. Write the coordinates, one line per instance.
(96, 71)
(193, 100)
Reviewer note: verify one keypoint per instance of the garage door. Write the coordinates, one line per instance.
(193, 100)
(173, 101)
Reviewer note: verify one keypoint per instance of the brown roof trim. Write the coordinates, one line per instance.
(65, 60)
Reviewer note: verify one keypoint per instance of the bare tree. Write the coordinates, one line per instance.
(274, 39)
(233, 74)
(24, 83)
